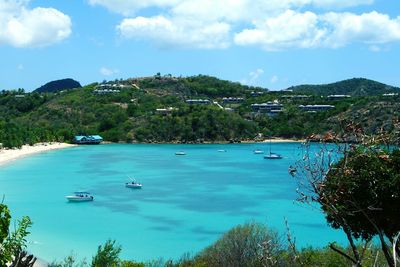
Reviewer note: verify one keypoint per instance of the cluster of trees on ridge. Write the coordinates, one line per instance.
(357, 192)
(130, 116)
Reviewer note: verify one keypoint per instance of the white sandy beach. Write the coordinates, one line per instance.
(279, 140)
(8, 155)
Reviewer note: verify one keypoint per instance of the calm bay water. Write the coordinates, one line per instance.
(186, 202)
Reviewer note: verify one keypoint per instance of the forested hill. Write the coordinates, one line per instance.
(353, 87)
(182, 109)
(58, 85)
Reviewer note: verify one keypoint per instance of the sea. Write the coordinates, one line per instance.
(187, 202)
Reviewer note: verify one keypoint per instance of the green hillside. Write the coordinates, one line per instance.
(353, 87)
(58, 85)
(154, 109)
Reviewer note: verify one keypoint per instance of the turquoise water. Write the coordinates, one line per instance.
(186, 202)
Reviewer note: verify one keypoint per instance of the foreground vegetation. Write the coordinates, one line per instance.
(248, 245)
(130, 115)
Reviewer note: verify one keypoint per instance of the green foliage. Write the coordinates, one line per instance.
(326, 257)
(69, 261)
(5, 218)
(11, 244)
(245, 245)
(363, 187)
(58, 85)
(354, 87)
(130, 115)
(107, 255)
(132, 264)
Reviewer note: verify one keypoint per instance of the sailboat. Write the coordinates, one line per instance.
(272, 155)
(133, 184)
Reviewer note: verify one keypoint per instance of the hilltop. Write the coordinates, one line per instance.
(189, 110)
(58, 85)
(353, 87)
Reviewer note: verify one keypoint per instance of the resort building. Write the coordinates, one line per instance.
(255, 94)
(165, 111)
(391, 94)
(105, 91)
(270, 108)
(295, 96)
(198, 101)
(107, 88)
(87, 139)
(337, 97)
(315, 108)
(232, 100)
(112, 86)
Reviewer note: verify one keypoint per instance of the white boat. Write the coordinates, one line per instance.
(134, 185)
(258, 151)
(272, 156)
(180, 153)
(80, 197)
(221, 150)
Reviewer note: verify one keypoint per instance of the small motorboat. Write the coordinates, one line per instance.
(180, 153)
(221, 150)
(258, 151)
(134, 185)
(80, 197)
(273, 156)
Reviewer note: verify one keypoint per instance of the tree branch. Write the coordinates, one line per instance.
(332, 246)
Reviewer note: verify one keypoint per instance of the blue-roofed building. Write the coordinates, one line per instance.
(87, 139)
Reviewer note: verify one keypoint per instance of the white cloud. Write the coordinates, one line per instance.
(341, 3)
(292, 29)
(253, 77)
(108, 72)
(129, 7)
(374, 48)
(271, 25)
(176, 32)
(217, 9)
(23, 27)
(369, 28)
(274, 79)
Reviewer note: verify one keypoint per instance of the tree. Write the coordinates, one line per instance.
(251, 244)
(363, 188)
(12, 244)
(356, 186)
(107, 255)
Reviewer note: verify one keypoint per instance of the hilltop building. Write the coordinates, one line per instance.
(165, 111)
(295, 96)
(315, 108)
(337, 97)
(270, 108)
(107, 88)
(256, 93)
(232, 100)
(198, 101)
(391, 94)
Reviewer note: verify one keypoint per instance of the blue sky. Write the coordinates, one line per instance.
(269, 43)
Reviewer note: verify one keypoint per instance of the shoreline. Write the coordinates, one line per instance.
(273, 140)
(10, 155)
